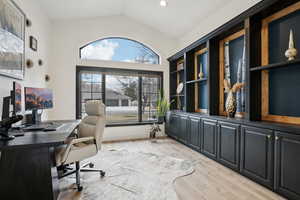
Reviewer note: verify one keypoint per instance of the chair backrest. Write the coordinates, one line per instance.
(93, 124)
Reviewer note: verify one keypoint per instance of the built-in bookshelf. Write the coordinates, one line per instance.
(176, 78)
(250, 49)
(262, 141)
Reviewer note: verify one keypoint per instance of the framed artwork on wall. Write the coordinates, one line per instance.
(12, 40)
(33, 44)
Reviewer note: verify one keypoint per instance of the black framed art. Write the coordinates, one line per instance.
(12, 40)
(33, 43)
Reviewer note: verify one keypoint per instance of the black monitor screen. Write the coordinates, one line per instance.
(38, 98)
(17, 97)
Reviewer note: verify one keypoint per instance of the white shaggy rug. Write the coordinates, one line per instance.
(132, 176)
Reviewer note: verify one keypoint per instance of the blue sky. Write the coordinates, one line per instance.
(116, 49)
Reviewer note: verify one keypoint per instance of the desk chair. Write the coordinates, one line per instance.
(88, 141)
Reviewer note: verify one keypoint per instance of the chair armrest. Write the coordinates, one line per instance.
(71, 141)
(84, 139)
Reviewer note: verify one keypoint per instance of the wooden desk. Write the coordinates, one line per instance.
(27, 164)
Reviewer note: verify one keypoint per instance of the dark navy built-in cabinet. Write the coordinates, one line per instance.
(264, 153)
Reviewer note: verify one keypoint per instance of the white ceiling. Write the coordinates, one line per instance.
(175, 20)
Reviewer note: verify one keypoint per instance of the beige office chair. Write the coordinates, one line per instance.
(86, 144)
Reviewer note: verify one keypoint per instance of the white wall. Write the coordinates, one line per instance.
(34, 77)
(215, 20)
(68, 36)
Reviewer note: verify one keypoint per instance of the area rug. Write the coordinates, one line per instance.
(132, 176)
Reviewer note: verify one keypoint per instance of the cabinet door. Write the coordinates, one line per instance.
(167, 124)
(287, 165)
(229, 144)
(257, 151)
(209, 138)
(194, 139)
(183, 128)
(173, 125)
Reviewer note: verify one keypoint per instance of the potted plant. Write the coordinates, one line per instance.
(162, 107)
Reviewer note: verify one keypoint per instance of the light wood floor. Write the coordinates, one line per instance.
(210, 181)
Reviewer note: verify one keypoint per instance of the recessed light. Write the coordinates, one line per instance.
(163, 3)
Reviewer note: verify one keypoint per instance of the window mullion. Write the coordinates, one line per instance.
(103, 88)
(140, 98)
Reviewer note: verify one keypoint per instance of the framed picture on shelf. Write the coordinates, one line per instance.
(12, 36)
(33, 44)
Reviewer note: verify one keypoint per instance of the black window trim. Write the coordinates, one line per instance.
(80, 68)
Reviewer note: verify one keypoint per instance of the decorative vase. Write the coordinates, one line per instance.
(291, 53)
(153, 131)
(201, 74)
(161, 119)
(230, 104)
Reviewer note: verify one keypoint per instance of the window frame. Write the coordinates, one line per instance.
(123, 38)
(80, 69)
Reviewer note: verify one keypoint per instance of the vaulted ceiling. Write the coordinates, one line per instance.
(178, 18)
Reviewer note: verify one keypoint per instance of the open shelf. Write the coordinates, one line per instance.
(177, 95)
(174, 72)
(196, 81)
(276, 65)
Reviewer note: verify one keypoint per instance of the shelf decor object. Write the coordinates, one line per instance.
(200, 71)
(179, 90)
(279, 101)
(291, 53)
(201, 74)
(12, 34)
(232, 66)
(241, 78)
(231, 104)
(179, 82)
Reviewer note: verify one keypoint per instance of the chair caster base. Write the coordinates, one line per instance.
(91, 165)
(102, 174)
(79, 188)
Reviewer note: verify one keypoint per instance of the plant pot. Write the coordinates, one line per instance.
(161, 119)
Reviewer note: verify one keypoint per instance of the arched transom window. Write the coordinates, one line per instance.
(120, 50)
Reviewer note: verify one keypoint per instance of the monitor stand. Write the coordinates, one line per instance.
(36, 118)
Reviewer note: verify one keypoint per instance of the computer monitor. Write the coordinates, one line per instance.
(38, 98)
(16, 97)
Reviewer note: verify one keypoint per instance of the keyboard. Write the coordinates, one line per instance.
(43, 127)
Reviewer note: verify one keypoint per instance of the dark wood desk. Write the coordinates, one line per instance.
(27, 164)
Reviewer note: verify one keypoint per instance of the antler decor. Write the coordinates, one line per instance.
(230, 104)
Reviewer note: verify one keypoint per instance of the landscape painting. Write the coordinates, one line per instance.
(12, 36)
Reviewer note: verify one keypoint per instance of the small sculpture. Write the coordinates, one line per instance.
(201, 74)
(291, 53)
(154, 130)
(230, 104)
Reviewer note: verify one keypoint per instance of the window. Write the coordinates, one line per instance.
(90, 88)
(119, 89)
(120, 50)
(130, 96)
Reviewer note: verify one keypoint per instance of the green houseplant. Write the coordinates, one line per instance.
(162, 107)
